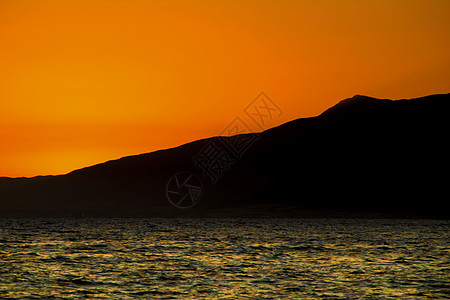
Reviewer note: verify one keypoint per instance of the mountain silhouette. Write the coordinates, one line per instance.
(362, 157)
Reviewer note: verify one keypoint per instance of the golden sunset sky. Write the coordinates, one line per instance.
(86, 81)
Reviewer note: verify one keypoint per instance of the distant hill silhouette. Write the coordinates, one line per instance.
(361, 157)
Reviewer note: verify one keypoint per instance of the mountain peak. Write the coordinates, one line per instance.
(358, 96)
(374, 154)
(354, 104)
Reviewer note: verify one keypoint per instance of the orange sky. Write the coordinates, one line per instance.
(86, 81)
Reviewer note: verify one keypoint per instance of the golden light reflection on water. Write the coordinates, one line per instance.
(227, 258)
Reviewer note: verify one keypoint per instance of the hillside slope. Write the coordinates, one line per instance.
(363, 156)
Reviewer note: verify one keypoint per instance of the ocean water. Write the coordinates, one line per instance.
(224, 258)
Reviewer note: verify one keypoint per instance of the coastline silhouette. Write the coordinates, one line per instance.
(362, 157)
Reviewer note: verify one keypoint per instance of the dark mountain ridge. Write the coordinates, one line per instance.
(362, 157)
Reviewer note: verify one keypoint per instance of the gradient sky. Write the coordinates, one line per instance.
(86, 81)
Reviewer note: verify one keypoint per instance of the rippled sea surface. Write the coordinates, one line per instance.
(224, 258)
